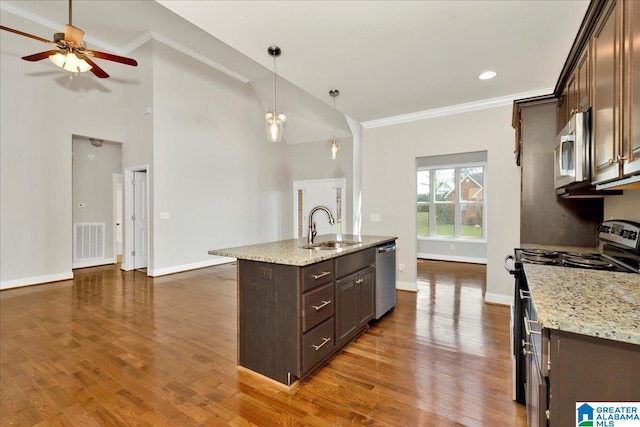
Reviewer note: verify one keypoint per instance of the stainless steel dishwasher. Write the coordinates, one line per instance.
(385, 278)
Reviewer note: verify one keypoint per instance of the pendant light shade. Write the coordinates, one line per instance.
(334, 145)
(275, 121)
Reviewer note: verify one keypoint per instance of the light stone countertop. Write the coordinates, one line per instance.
(602, 304)
(289, 252)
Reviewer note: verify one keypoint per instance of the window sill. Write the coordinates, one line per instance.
(453, 239)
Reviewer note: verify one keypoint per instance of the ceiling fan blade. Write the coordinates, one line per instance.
(21, 33)
(39, 56)
(111, 57)
(99, 72)
(73, 34)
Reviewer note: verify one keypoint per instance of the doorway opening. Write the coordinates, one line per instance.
(136, 218)
(96, 164)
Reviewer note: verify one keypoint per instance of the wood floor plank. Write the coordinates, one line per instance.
(113, 348)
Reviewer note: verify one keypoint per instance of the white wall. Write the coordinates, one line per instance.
(389, 185)
(137, 149)
(42, 107)
(214, 172)
(626, 206)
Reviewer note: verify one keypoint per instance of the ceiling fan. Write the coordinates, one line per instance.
(72, 54)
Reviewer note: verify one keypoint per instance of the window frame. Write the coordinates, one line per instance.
(457, 203)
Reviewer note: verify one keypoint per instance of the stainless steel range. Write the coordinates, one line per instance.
(620, 252)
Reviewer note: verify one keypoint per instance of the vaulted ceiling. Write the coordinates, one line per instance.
(387, 58)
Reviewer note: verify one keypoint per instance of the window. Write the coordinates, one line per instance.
(450, 201)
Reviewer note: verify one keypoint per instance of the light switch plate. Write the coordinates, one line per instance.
(165, 215)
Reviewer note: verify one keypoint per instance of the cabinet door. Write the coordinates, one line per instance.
(365, 291)
(572, 94)
(606, 124)
(346, 315)
(631, 106)
(583, 87)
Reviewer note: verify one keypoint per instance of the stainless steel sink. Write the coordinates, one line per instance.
(330, 244)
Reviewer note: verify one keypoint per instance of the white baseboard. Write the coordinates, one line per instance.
(406, 286)
(498, 299)
(186, 267)
(94, 262)
(440, 257)
(27, 281)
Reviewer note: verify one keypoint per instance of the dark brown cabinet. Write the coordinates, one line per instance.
(616, 92)
(292, 319)
(588, 369)
(607, 83)
(576, 97)
(355, 298)
(631, 103)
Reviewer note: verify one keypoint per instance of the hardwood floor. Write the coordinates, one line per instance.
(115, 348)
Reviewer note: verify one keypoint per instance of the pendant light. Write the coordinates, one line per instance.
(275, 121)
(334, 146)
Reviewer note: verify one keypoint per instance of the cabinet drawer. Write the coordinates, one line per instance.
(317, 344)
(317, 306)
(317, 274)
(351, 263)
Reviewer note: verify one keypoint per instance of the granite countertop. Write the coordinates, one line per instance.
(289, 252)
(602, 304)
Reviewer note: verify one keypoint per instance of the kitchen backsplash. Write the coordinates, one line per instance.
(626, 206)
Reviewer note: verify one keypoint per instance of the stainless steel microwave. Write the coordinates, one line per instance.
(573, 153)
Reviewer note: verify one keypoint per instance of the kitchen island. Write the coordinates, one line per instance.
(297, 307)
(588, 330)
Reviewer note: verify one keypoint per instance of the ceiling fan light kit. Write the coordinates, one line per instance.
(275, 121)
(70, 62)
(71, 54)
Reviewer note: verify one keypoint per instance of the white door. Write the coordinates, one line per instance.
(330, 193)
(140, 220)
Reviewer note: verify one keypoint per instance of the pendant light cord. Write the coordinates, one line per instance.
(335, 114)
(275, 108)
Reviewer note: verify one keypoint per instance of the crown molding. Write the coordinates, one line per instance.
(453, 109)
(134, 44)
(195, 55)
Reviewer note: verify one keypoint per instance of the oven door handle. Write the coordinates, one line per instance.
(510, 270)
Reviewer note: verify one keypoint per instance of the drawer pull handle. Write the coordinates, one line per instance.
(324, 341)
(527, 329)
(317, 276)
(359, 281)
(324, 303)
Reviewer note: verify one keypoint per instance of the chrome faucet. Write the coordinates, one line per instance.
(312, 224)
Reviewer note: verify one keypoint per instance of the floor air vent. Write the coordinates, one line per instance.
(88, 241)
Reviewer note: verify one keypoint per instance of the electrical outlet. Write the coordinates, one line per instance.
(374, 217)
(453, 247)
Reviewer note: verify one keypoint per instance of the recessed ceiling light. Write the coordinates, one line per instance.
(487, 75)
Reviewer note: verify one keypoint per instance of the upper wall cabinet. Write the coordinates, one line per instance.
(615, 96)
(607, 94)
(631, 106)
(576, 96)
